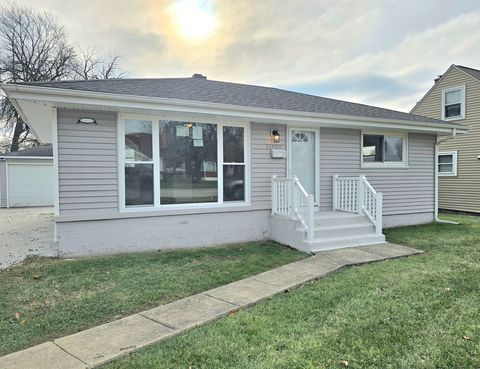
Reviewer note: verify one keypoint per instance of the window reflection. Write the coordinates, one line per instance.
(188, 162)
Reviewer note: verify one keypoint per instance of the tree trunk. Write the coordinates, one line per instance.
(19, 129)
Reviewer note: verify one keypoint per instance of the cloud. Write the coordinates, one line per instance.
(378, 52)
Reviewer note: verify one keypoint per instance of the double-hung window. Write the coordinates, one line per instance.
(379, 149)
(453, 103)
(447, 163)
(138, 163)
(233, 163)
(181, 163)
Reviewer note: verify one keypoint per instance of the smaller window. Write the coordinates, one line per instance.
(384, 149)
(447, 164)
(138, 165)
(233, 164)
(453, 103)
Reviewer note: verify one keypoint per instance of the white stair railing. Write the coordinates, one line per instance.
(289, 199)
(345, 193)
(356, 194)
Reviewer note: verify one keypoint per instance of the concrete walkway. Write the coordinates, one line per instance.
(98, 345)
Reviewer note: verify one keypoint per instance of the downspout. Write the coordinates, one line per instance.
(437, 220)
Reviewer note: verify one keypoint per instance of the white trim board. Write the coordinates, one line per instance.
(8, 157)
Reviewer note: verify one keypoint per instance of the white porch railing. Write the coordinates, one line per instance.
(289, 199)
(356, 194)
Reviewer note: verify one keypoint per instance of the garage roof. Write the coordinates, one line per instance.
(41, 151)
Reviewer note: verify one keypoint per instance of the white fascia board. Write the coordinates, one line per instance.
(57, 96)
(26, 157)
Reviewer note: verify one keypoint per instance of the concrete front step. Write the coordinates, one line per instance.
(333, 231)
(333, 218)
(360, 229)
(345, 241)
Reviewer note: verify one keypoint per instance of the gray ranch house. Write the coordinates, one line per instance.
(185, 162)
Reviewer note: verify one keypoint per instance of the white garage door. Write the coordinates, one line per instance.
(30, 184)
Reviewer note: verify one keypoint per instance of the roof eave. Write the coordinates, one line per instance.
(25, 157)
(56, 96)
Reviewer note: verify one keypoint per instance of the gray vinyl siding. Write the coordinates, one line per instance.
(88, 177)
(462, 192)
(263, 167)
(87, 163)
(405, 190)
(3, 184)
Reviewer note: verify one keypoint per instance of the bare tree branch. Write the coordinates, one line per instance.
(34, 47)
(89, 65)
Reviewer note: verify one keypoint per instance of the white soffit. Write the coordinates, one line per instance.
(38, 117)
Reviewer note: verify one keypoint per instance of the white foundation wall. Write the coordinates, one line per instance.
(113, 236)
(400, 220)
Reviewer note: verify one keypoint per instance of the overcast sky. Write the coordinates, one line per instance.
(383, 53)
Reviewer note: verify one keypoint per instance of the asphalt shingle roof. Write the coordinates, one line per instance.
(40, 151)
(475, 73)
(204, 90)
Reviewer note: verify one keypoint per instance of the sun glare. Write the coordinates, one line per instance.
(194, 19)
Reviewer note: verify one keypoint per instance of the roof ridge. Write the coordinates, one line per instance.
(95, 80)
(463, 66)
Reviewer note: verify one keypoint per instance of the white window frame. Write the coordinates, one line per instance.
(386, 164)
(462, 102)
(154, 161)
(155, 119)
(454, 155)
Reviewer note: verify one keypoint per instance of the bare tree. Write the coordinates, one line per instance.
(34, 47)
(89, 65)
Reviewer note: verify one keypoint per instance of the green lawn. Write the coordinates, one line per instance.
(417, 312)
(54, 298)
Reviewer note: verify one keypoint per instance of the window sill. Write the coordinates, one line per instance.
(447, 175)
(157, 212)
(452, 119)
(383, 165)
(174, 208)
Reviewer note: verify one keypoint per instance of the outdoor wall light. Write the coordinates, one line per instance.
(86, 120)
(275, 136)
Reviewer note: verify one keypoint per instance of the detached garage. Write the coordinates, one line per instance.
(26, 178)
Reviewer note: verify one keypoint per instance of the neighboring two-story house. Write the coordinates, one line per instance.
(455, 97)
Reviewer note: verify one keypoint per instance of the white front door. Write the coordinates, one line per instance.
(303, 159)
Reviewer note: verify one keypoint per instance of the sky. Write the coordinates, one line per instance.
(382, 53)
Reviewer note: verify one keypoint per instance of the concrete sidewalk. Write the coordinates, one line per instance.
(98, 345)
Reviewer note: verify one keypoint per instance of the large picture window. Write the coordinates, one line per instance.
(188, 163)
(177, 163)
(384, 149)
